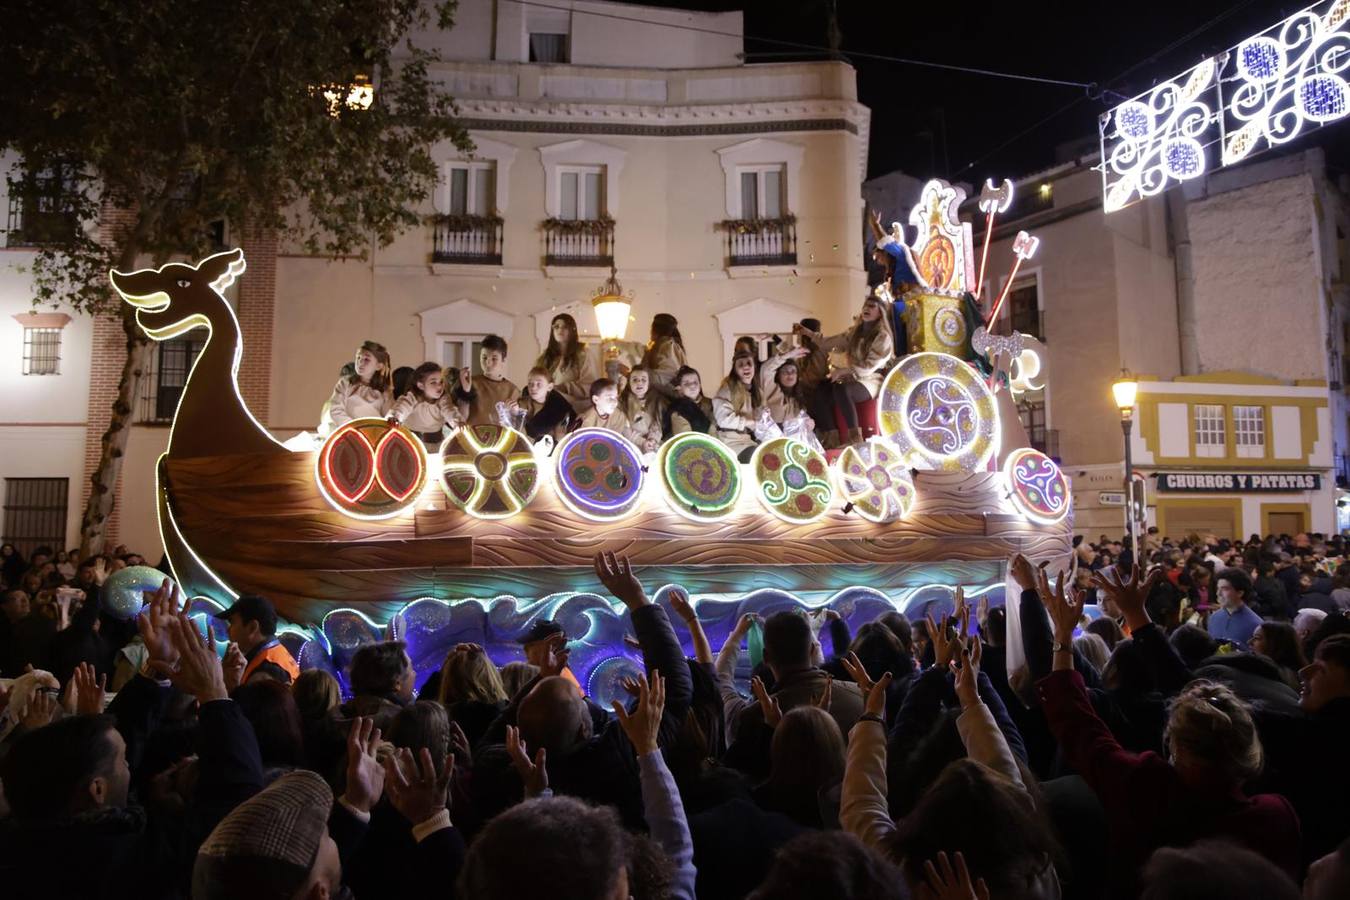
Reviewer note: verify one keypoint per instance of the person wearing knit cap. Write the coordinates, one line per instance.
(274, 846)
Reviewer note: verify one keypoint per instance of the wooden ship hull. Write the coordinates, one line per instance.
(257, 523)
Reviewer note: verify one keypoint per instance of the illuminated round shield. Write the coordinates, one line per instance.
(792, 480)
(701, 476)
(939, 413)
(599, 474)
(875, 478)
(489, 471)
(1037, 486)
(371, 468)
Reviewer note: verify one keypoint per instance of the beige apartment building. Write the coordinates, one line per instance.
(606, 135)
(1226, 297)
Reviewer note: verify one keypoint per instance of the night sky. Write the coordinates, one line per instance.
(968, 127)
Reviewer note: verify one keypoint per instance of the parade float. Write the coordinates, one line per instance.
(371, 536)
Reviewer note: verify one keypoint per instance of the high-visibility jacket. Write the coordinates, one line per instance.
(272, 652)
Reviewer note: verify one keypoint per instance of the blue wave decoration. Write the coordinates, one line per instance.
(596, 627)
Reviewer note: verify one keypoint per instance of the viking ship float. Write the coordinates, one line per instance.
(370, 536)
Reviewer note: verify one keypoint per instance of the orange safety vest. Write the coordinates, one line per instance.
(277, 655)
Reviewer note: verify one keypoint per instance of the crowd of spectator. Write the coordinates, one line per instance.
(1149, 746)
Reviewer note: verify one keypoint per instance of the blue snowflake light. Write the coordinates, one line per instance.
(1259, 59)
(1323, 97)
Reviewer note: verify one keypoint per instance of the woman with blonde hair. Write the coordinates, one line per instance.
(471, 689)
(859, 359)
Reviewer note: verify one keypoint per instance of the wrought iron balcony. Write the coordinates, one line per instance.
(468, 240)
(761, 242)
(579, 242)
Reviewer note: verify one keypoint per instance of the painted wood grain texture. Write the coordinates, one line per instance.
(261, 524)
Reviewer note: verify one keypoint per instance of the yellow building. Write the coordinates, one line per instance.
(1235, 454)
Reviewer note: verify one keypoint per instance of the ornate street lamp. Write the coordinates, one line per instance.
(611, 319)
(1125, 390)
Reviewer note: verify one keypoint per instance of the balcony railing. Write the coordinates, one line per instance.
(468, 240)
(761, 242)
(36, 220)
(578, 242)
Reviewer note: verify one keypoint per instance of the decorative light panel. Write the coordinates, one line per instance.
(700, 475)
(939, 413)
(599, 474)
(1038, 487)
(875, 478)
(942, 254)
(792, 480)
(371, 469)
(490, 471)
(1265, 92)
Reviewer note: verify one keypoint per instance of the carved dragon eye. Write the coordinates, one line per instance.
(183, 282)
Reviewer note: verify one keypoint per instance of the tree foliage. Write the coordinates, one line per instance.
(193, 111)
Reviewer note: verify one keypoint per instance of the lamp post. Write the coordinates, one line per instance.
(611, 320)
(1125, 389)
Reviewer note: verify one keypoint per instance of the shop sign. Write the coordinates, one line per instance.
(1239, 482)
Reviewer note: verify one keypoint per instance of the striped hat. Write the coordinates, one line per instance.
(267, 846)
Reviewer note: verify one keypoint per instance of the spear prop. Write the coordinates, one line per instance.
(1024, 247)
(994, 201)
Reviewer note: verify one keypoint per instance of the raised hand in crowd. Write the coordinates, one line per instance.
(533, 772)
(616, 574)
(1066, 610)
(154, 625)
(196, 668)
(1129, 595)
(1024, 573)
(85, 692)
(41, 708)
(643, 724)
(684, 610)
(365, 775)
(556, 655)
(233, 666)
(943, 882)
(823, 701)
(945, 640)
(967, 673)
(415, 788)
(875, 704)
(768, 703)
(743, 626)
(459, 745)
